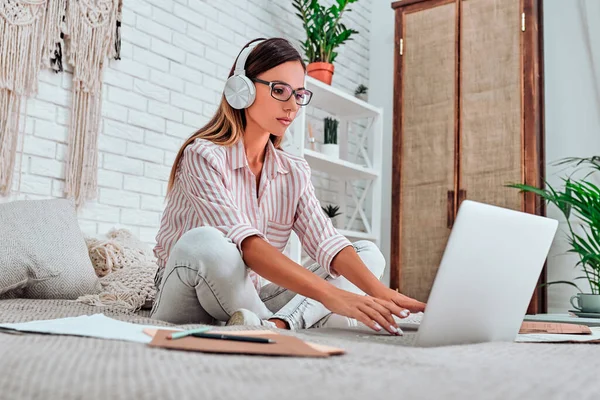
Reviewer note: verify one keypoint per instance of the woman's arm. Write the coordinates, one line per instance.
(276, 267)
(350, 265)
(271, 264)
(334, 252)
(320, 240)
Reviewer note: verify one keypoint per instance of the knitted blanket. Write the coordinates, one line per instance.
(126, 267)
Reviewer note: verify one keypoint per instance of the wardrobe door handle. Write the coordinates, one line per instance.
(462, 195)
(450, 209)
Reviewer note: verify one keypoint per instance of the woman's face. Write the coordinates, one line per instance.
(272, 115)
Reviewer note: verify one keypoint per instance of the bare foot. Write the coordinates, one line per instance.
(281, 324)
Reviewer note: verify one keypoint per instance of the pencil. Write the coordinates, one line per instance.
(232, 337)
(179, 335)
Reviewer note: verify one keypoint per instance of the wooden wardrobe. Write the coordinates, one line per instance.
(467, 121)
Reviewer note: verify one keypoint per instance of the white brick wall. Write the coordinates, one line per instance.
(175, 58)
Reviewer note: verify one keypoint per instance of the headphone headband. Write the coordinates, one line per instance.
(239, 89)
(240, 65)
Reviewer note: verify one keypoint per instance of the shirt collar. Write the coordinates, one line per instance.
(273, 163)
(237, 155)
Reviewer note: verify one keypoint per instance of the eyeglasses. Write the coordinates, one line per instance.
(282, 92)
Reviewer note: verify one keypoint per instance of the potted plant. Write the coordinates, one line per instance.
(330, 145)
(361, 92)
(332, 211)
(579, 198)
(324, 33)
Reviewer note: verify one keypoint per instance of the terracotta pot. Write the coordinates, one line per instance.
(321, 71)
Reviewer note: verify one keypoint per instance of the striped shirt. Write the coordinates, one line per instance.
(214, 186)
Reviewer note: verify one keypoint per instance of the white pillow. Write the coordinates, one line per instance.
(43, 254)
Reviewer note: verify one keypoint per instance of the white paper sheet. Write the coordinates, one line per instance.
(548, 338)
(97, 326)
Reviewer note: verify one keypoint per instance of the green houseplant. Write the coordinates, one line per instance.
(361, 92)
(330, 145)
(324, 33)
(579, 198)
(332, 211)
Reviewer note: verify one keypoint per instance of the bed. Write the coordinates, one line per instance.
(376, 366)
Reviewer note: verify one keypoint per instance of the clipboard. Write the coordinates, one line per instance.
(284, 345)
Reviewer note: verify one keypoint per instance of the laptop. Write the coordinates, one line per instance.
(487, 276)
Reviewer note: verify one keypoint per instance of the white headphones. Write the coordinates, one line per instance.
(240, 91)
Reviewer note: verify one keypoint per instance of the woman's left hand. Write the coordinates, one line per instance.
(401, 300)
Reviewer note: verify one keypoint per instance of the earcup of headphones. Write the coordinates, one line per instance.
(239, 92)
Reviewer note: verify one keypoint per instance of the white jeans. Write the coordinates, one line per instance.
(206, 280)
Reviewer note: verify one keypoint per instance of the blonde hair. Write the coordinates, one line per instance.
(225, 128)
(228, 124)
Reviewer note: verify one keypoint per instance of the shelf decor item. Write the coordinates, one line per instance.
(311, 137)
(330, 146)
(361, 92)
(332, 212)
(324, 33)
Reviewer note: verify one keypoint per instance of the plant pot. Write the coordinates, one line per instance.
(331, 150)
(335, 221)
(321, 71)
(362, 96)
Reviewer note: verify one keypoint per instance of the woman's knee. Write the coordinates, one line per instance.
(203, 246)
(371, 256)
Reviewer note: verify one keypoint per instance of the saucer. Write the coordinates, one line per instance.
(585, 314)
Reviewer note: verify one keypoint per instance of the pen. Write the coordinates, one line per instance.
(232, 337)
(178, 335)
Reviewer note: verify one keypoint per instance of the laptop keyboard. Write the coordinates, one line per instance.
(413, 321)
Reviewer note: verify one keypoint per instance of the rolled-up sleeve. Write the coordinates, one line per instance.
(213, 202)
(321, 241)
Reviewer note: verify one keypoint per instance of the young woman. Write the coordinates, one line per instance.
(233, 199)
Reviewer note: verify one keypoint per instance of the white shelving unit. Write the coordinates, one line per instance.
(346, 108)
(340, 168)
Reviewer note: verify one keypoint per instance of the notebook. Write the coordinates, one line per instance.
(284, 345)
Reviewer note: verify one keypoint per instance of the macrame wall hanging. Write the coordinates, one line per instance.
(38, 33)
(21, 33)
(92, 34)
(53, 38)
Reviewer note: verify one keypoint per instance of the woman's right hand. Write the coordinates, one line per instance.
(371, 311)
